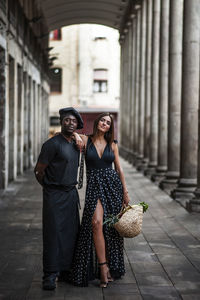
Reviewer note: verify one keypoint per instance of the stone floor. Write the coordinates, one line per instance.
(161, 263)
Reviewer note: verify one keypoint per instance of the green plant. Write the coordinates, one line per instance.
(111, 219)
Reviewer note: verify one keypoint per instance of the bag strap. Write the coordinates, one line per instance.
(81, 171)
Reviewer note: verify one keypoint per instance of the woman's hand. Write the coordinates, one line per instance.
(79, 141)
(126, 199)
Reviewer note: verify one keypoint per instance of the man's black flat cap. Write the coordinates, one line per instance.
(74, 112)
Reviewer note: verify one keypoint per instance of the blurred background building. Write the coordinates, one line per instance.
(85, 72)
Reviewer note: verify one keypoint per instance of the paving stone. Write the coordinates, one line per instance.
(125, 297)
(153, 279)
(191, 296)
(129, 277)
(141, 256)
(145, 267)
(159, 293)
(128, 289)
(162, 247)
(188, 287)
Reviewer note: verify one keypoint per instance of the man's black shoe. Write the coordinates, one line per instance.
(49, 282)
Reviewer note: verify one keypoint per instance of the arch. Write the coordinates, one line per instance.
(69, 12)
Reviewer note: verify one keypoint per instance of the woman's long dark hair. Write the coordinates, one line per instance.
(109, 135)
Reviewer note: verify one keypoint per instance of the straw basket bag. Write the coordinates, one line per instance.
(130, 222)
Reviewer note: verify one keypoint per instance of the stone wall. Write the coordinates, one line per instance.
(24, 87)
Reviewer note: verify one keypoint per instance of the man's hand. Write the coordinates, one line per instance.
(39, 172)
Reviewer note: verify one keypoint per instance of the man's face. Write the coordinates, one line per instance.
(69, 124)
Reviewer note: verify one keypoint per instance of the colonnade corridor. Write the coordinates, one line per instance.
(160, 96)
(163, 262)
(159, 142)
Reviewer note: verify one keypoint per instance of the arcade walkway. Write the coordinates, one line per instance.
(161, 263)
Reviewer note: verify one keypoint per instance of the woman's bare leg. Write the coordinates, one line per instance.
(99, 242)
(97, 227)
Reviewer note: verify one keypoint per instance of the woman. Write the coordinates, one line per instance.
(106, 193)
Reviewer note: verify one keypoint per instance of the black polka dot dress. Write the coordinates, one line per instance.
(103, 183)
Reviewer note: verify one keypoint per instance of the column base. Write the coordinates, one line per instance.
(159, 174)
(184, 192)
(194, 204)
(126, 154)
(170, 182)
(140, 163)
(143, 165)
(136, 159)
(150, 169)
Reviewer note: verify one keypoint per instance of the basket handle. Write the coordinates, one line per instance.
(124, 209)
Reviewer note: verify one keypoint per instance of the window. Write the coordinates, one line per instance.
(100, 83)
(55, 35)
(56, 80)
(100, 86)
(54, 121)
(100, 38)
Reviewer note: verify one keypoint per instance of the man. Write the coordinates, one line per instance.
(56, 170)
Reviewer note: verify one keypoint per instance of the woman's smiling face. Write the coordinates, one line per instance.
(104, 124)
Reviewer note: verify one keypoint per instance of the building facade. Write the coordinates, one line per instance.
(85, 72)
(24, 86)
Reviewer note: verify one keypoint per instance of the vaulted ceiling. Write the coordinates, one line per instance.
(60, 13)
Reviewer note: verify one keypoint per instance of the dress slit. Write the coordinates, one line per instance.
(85, 267)
(103, 184)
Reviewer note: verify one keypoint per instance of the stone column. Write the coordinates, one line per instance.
(129, 92)
(15, 122)
(133, 84)
(22, 126)
(20, 108)
(2, 118)
(35, 120)
(142, 86)
(47, 114)
(31, 141)
(174, 97)
(163, 92)
(123, 100)
(137, 76)
(26, 120)
(154, 88)
(190, 100)
(29, 121)
(11, 97)
(40, 117)
(38, 120)
(194, 203)
(121, 92)
(148, 81)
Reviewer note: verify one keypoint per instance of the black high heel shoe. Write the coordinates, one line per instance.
(103, 283)
(110, 278)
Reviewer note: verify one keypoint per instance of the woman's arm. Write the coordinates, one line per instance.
(119, 170)
(81, 139)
